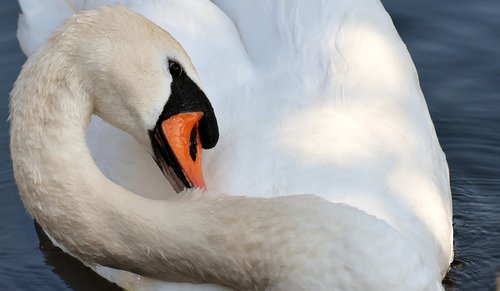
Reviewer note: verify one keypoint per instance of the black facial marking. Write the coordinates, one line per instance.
(186, 96)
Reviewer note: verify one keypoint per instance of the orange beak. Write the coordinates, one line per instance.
(185, 126)
(182, 135)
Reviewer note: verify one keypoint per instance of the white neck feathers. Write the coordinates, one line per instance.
(199, 237)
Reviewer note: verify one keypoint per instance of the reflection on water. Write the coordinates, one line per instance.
(76, 275)
(456, 48)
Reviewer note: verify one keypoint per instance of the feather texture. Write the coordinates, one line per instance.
(316, 99)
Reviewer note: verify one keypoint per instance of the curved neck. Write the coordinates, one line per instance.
(282, 243)
(99, 221)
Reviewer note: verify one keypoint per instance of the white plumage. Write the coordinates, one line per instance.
(312, 98)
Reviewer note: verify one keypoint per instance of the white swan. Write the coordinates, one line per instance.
(339, 114)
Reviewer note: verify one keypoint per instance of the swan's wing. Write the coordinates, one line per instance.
(340, 114)
(39, 19)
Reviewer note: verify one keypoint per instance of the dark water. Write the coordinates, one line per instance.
(456, 48)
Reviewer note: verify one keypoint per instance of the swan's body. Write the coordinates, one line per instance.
(322, 101)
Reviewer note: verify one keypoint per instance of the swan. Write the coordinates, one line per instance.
(362, 139)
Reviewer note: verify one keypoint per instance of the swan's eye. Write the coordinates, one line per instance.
(174, 68)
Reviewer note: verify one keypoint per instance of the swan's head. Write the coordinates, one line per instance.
(142, 81)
